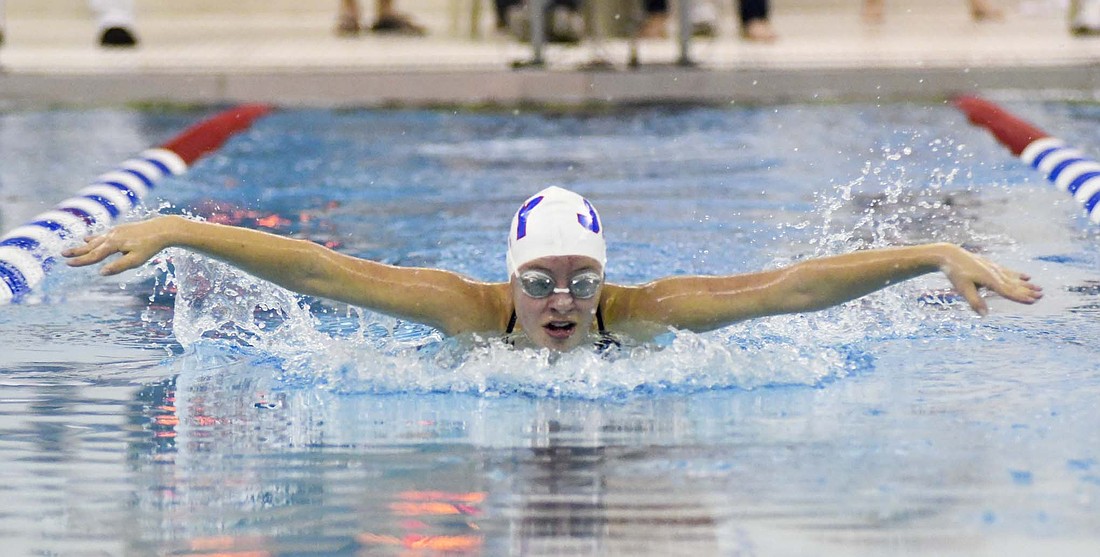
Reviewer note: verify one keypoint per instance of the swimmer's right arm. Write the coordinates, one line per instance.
(439, 298)
(703, 303)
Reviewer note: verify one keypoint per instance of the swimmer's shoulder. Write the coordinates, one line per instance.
(486, 310)
(629, 312)
(498, 306)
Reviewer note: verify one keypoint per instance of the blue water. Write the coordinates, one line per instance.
(190, 409)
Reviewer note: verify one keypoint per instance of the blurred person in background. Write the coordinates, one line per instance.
(563, 22)
(115, 20)
(753, 15)
(1084, 17)
(980, 10)
(387, 20)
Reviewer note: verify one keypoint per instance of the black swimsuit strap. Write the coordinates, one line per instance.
(599, 322)
(511, 323)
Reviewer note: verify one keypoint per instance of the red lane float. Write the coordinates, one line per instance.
(27, 252)
(1069, 169)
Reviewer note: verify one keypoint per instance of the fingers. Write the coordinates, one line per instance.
(1014, 286)
(94, 250)
(1008, 284)
(1021, 290)
(136, 242)
(976, 273)
(87, 259)
(77, 250)
(98, 248)
(117, 266)
(90, 242)
(970, 292)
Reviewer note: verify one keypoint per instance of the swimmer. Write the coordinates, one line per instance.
(555, 296)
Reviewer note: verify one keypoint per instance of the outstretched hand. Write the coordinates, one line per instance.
(137, 242)
(968, 272)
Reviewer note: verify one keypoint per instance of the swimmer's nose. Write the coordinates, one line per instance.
(560, 300)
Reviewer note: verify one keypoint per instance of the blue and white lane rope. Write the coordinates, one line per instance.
(1069, 169)
(27, 252)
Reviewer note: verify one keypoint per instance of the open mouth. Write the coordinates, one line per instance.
(560, 329)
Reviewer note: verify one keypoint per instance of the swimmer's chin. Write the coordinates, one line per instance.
(514, 341)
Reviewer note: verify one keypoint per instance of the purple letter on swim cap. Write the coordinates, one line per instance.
(590, 221)
(521, 224)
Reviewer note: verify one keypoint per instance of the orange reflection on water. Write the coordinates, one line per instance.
(457, 544)
(473, 497)
(223, 546)
(428, 504)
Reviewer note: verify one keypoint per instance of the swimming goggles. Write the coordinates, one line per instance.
(538, 284)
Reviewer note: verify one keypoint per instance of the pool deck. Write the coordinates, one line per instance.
(284, 52)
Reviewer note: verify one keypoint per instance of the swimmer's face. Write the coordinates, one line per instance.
(559, 321)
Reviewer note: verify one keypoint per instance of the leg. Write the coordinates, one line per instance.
(348, 18)
(655, 25)
(385, 9)
(873, 11)
(754, 21)
(502, 7)
(983, 10)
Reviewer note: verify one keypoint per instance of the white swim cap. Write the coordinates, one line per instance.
(555, 221)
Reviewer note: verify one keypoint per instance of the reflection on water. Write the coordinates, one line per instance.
(223, 464)
(213, 415)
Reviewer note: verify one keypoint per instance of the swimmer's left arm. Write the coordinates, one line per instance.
(704, 303)
(436, 297)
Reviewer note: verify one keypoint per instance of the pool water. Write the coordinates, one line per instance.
(188, 409)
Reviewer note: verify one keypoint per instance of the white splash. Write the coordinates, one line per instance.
(346, 350)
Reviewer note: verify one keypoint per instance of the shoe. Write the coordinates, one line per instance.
(397, 24)
(564, 26)
(704, 20)
(1085, 19)
(703, 30)
(117, 37)
(347, 26)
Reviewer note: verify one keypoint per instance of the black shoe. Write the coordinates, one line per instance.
(117, 37)
(703, 30)
(398, 24)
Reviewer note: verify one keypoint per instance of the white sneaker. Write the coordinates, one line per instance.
(1085, 19)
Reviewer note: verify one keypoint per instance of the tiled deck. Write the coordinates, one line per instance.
(284, 52)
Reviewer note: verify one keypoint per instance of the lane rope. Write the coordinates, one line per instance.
(28, 251)
(1069, 169)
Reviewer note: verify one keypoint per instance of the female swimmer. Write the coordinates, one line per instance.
(555, 296)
